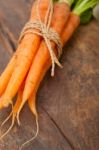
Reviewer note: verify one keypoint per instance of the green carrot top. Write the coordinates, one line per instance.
(84, 5)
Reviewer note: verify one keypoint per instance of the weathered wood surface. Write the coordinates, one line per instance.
(68, 104)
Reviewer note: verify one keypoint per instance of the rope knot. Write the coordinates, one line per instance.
(45, 30)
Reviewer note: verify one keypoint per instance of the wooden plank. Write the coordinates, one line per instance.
(71, 98)
(4, 56)
(18, 12)
(13, 16)
(49, 136)
(68, 103)
(5, 40)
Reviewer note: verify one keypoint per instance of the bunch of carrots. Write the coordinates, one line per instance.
(32, 59)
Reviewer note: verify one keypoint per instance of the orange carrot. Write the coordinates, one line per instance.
(18, 102)
(32, 99)
(62, 12)
(27, 50)
(44, 65)
(70, 28)
(32, 105)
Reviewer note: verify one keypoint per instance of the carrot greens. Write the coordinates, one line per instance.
(84, 5)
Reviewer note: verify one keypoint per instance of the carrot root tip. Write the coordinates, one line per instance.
(3, 123)
(34, 137)
(9, 129)
(18, 118)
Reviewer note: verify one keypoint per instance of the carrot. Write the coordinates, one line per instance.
(32, 105)
(32, 99)
(62, 12)
(70, 28)
(27, 50)
(18, 103)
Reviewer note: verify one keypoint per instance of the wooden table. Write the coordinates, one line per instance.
(68, 104)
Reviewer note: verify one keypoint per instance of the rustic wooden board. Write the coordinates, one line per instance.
(68, 104)
(72, 98)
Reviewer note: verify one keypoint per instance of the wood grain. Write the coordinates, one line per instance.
(68, 104)
(72, 98)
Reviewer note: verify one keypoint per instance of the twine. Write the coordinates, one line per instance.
(44, 30)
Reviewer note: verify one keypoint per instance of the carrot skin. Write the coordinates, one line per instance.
(70, 28)
(32, 104)
(32, 99)
(18, 101)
